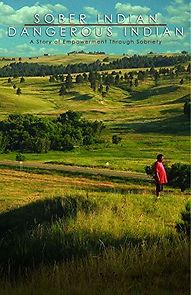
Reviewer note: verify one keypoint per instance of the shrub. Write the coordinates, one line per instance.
(178, 175)
(184, 226)
(116, 139)
(149, 170)
(20, 157)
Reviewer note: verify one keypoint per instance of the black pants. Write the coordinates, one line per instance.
(159, 187)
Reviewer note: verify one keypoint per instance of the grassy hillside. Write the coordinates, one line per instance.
(72, 232)
(149, 120)
(63, 59)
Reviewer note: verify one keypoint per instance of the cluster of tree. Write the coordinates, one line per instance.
(18, 91)
(178, 175)
(101, 81)
(136, 61)
(83, 52)
(28, 133)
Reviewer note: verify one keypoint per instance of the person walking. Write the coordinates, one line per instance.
(159, 174)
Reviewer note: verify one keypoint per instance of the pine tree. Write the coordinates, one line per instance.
(107, 88)
(136, 82)
(62, 91)
(18, 92)
(68, 81)
(52, 79)
(100, 89)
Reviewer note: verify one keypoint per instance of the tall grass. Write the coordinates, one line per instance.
(161, 268)
(113, 244)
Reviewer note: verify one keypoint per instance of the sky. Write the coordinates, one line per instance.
(175, 14)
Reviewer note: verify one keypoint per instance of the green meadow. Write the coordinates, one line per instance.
(67, 233)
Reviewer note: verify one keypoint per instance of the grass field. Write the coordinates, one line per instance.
(74, 232)
(126, 239)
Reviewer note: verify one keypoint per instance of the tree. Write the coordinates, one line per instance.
(117, 79)
(62, 91)
(85, 76)
(116, 139)
(136, 82)
(100, 89)
(18, 92)
(79, 79)
(93, 85)
(103, 94)
(51, 79)
(17, 69)
(156, 77)
(141, 75)
(28, 133)
(88, 139)
(130, 83)
(68, 82)
(106, 59)
(22, 80)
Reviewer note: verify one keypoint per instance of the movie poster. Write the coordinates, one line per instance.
(94, 147)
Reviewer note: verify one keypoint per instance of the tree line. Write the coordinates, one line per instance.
(29, 133)
(136, 61)
(101, 82)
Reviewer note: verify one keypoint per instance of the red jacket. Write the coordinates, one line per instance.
(160, 173)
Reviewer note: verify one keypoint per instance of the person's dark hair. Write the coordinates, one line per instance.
(159, 156)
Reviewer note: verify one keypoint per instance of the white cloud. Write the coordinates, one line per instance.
(3, 50)
(6, 9)
(131, 9)
(24, 47)
(10, 16)
(179, 13)
(29, 50)
(91, 10)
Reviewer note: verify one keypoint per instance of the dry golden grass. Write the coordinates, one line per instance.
(18, 187)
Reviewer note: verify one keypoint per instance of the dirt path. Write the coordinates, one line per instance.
(77, 170)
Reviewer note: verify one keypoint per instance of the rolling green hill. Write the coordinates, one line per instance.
(88, 218)
(150, 119)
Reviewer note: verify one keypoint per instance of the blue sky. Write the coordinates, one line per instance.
(16, 13)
